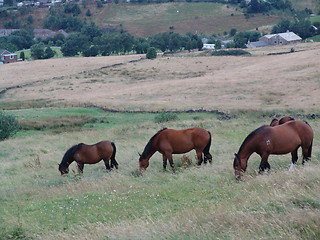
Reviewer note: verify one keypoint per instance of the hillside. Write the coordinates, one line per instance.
(187, 80)
(183, 17)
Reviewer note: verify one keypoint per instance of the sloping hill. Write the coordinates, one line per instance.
(260, 81)
(146, 20)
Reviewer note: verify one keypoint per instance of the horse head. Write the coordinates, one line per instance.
(143, 164)
(64, 170)
(237, 166)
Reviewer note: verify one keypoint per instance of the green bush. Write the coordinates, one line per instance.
(151, 53)
(165, 117)
(8, 125)
(230, 53)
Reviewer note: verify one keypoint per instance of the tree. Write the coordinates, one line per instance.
(91, 31)
(217, 44)
(91, 52)
(48, 53)
(75, 44)
(37, 51)
(232, 32)
(22, 55)
(152, 53)
(23, 39)
(8, 125)
(88, 13)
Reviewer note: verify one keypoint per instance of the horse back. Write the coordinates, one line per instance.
(294, 132)
(180, 141)
(94, 153)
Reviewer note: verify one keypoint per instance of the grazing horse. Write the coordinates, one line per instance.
(281, 139)
(276, 122)
(170, 141)
(89, 154)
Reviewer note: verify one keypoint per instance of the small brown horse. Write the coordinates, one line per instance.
(89, 154)
(170, 141)
(276, 122)
(281, 139)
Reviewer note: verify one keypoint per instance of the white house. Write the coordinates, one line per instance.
(207, 46)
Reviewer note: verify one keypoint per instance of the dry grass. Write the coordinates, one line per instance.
(197, 202)
(260, 81)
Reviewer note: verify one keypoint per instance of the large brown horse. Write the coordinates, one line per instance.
(276, 122)
(89, 154)
(281, 139)
(170, 141)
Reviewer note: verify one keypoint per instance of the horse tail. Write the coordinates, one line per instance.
(113, 157)
(207, 148)
(310, 147)
(310, 150)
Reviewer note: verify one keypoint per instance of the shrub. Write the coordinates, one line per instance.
(165, 117)
(151, 53)
(8, 125)
(230, 53)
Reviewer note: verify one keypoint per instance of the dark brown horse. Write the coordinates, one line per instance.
(276, 122)
(281, 139)
(89, 154)
(170, 141)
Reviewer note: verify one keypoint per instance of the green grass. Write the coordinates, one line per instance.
(27, 53)
(195, 203)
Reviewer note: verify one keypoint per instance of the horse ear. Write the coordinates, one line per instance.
(139, 154)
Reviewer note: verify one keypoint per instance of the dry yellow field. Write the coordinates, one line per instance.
(173, 82)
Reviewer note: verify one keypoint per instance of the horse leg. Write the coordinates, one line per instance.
(171, 162)
(264, 163)
(294, 158)
(114, 163)
(305, 154)
(80, 167)
(207, 157)
(200, 159)
(106, 163)
(164, 159)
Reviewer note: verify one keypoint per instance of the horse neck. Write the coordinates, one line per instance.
(66, 161)
(244, 153)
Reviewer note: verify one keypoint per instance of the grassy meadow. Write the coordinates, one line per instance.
(65, 103)
(195, 203)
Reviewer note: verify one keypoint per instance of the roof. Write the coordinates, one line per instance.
(2, 51)
(288, 36)
(257, 44)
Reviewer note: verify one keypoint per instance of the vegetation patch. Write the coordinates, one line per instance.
(25, 104)
(236, 52)
(166, 117)
(63, 123)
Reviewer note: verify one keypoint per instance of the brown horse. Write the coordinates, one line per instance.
(89, 154)
(281, 139)
(170, 141)
(276, 122)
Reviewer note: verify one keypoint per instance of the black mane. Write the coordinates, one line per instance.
(68, 156)
(148, 146)
(250, 136)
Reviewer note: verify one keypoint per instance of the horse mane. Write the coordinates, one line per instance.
(69, 154)
(148, 146)
(253, 133)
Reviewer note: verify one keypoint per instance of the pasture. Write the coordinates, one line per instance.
(68, 101)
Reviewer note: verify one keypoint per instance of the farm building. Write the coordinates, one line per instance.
(8, 57)
(276, 39)
(207, 46)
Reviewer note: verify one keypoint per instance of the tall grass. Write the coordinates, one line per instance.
(195, 203)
